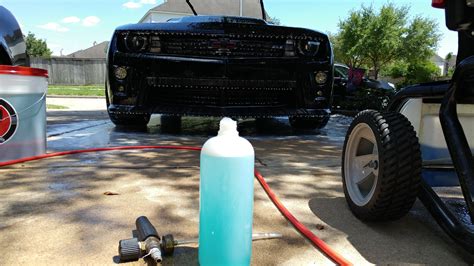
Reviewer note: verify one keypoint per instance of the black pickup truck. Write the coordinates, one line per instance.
(219, 66)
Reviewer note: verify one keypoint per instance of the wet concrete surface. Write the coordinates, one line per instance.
(54, 212)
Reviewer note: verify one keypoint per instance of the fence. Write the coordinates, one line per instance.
(72, 71)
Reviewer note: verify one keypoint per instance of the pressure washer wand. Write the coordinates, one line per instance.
(148, 235)
(255, 237)
(168, 242)
(148, 242)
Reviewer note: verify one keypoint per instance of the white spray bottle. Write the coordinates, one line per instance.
(226, 198)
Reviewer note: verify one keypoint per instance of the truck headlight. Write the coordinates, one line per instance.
(321, 77)
(308, 48)
(136, 43)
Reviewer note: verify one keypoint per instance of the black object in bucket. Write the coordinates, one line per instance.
(8, 121)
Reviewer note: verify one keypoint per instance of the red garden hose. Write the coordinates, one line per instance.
(63, 153)
(333, 255)
(327, 250)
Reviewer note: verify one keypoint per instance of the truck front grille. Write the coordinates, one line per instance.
(221, 93)
(201, 46)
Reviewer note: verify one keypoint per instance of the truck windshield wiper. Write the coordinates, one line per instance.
(192, 8)
(264, 14)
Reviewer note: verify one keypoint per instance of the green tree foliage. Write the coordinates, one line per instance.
(451, 67)
(449, 56)
(420, 39)
(36, 47)
(377, 40)
(348, 42)
(412, 72)
(383, 39)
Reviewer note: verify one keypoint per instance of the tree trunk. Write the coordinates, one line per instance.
(376, 69)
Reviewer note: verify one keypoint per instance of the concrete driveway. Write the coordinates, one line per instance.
(54, 212)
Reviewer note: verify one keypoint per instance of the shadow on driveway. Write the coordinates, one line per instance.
(408, 240)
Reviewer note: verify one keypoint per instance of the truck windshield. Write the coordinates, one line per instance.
(236, 8)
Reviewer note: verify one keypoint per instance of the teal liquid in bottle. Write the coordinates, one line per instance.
(226, 198)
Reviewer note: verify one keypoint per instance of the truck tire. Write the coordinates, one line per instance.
(125, 119)
(170, 123)
(381, 166)
(308, 123)
(129, 120)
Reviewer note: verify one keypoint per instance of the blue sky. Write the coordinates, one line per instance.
(71, 25)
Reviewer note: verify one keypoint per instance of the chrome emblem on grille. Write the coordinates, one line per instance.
(223, 46)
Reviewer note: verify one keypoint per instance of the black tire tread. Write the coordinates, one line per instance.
(170, 123)
(133, 120)
(304, 123)
(400, 167)
(124, 119)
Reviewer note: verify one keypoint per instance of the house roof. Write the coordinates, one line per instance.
(251, 8)
(437, 59)
(440, 60)
(96, 51)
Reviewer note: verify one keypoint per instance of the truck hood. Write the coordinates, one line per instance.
(224, 25)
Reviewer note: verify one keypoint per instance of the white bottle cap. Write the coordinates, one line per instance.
(228, 127)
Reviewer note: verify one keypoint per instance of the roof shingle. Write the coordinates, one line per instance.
(96, 51)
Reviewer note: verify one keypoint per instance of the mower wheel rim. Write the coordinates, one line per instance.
(361, 164)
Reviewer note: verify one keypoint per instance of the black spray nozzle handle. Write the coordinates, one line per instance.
(129, 250)
(145, 229)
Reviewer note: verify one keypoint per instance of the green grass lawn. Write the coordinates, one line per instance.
(55, 107)
(76, 90)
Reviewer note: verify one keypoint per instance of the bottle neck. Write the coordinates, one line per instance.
(228, 128)
(228, 133)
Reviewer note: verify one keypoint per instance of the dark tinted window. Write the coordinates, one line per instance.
(341, 72)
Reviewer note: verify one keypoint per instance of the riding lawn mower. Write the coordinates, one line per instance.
(423, 141)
